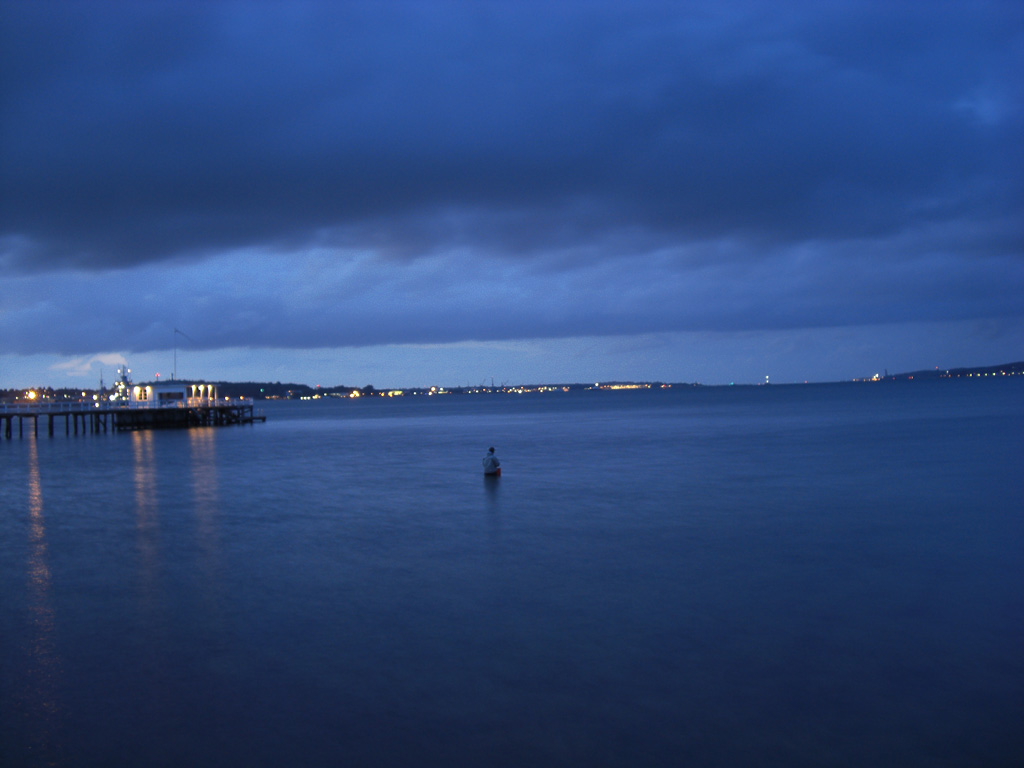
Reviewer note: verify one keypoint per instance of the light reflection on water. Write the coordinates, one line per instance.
(205, 490)
(45, 665)
(206, 506)
(146, 512)
(203, 448)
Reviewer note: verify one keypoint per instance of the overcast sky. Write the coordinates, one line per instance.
(441, 193)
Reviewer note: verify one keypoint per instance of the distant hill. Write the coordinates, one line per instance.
(1006, 369)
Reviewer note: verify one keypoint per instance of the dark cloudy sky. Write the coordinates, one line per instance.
(440, 193)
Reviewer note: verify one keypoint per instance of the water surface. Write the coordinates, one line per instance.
(791, 576)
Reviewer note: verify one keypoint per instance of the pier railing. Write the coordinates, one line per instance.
(78, 406)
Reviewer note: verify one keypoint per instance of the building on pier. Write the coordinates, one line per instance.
(173, 394)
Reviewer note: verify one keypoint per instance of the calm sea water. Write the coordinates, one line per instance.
(782, 576)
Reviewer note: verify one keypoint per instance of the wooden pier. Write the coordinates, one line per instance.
(91, 418)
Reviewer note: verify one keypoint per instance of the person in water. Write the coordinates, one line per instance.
(491, 464)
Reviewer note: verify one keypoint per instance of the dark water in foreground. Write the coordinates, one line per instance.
(788, 576)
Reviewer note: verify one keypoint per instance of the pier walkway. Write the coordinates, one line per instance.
(92, 417)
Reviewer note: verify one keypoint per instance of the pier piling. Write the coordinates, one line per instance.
(94, 420)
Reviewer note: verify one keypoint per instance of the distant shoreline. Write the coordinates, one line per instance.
(292, 391)
(1006, 369)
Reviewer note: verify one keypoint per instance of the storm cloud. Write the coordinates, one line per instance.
(356, 174)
